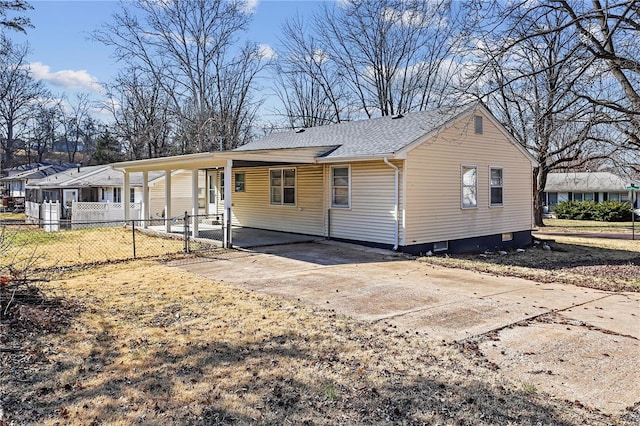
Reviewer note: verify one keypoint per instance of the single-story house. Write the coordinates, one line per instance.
(584, 186)
(17, 177)
(97, 184)
(444, 180)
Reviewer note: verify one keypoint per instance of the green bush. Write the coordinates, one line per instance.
(607, 211)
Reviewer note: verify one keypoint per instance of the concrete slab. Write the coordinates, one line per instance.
(619, 313)
(587, 349)
(570, 363)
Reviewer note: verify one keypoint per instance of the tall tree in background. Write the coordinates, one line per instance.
(310, 87)
(19, 23)
(190, 47)
(390, 56)
(140, 108)
(108, 149)
(44, 124)
(19, 97)
(79, 127)
(607, 33)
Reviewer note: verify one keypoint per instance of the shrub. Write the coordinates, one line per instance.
(612, 211)
(608, 211)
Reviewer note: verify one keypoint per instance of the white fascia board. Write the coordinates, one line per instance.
(377, 157)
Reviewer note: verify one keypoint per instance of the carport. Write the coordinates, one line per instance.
(226, 161)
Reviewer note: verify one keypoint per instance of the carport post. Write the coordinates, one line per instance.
(228, 237)
(145, 199)
(126, 203)
(167, 201)
(194, 202)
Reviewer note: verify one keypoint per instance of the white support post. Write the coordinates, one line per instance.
(146, 208)
(126, 205)
(167, 200)
(194, 202)
(228, 238)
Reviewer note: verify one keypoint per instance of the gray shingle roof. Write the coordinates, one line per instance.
(585, 182)
(364, 138)
(89, 176)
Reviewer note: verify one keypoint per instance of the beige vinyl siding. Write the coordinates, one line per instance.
(370, 217)
(252, 208)
(433, 193)
(180, 193)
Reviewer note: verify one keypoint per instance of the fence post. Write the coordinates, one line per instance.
(186, 232)
(133, 233)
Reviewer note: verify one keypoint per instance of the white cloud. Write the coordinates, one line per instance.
(267, 51)
(70, 79)
(249, 6)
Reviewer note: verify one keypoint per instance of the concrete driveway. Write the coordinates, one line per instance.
(560, 338)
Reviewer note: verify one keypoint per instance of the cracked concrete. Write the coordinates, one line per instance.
(595, 333)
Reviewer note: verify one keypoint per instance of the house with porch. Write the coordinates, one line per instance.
(444, 180)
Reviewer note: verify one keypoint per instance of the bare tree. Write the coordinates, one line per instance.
(44, 130)
(535, 89)
(395, 55)
(311, 89)
(190, 47)
(79, 127)
(19, 23)
(607, 32)
(19, 95)
(141, 113)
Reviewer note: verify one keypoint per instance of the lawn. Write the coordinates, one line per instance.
(144, 343)
(570, 252)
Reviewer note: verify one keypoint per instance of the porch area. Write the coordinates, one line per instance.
(242, 237)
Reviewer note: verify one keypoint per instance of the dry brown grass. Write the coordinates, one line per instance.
(157, 345)
(602, 263)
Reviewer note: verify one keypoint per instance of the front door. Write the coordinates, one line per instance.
(68, 197)
(212, 200)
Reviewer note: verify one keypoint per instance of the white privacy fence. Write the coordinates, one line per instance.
(102, 212)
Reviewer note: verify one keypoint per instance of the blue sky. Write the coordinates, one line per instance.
(63, 55)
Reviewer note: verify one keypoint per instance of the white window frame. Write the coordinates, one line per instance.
(463, 187)
(282, 187)
(117, 194)
(491, 186)
(334, 205)
(132, 195)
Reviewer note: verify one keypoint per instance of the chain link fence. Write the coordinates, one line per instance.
(66, 243)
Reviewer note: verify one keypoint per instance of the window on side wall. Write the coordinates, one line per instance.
(340, 187)
(117, 195)
(132, 195)
(495, 186)
(282, 187)
(222, 186)
(478, 124)
(469, 187)
(239, 187)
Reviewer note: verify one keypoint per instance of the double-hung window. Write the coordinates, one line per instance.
(340, 189)
(282, 186)
(239, 182)
(117, 195)
(469, 187)
(495, 186)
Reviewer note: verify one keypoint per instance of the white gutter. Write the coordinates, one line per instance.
(395, 206)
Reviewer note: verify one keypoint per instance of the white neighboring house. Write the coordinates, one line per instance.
(584, 186)
(94, 192)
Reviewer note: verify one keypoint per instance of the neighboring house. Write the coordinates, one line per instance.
(445, 180)
(97, 184)
(18, 177)
(584, 186)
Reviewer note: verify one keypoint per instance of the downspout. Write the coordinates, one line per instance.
(396, 202)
